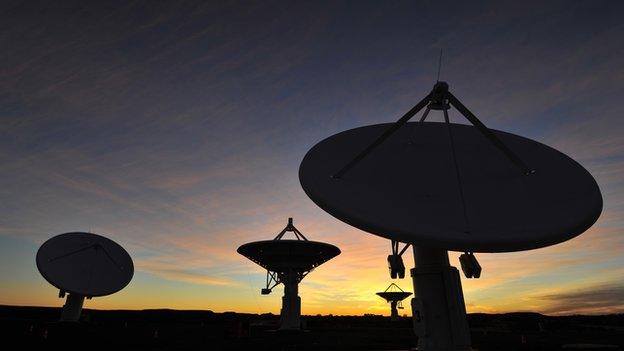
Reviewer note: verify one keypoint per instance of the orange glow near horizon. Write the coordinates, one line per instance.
(347, 284)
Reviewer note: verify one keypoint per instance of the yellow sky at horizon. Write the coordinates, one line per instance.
(347, 284)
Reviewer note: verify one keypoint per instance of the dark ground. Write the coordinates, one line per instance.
(36, 328)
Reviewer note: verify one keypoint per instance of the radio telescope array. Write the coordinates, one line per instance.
(446, 186)
(436, 187)
(83, 265)
(287, 262)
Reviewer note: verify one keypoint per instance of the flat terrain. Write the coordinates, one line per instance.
(37, 328)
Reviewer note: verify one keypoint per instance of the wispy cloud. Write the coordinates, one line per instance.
(173, 273)
(600, 299)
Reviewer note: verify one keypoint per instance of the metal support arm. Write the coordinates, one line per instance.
(489, 135)
(395, 247)
(438, 99)
(272, 280)
(290, 227)
(387, 133)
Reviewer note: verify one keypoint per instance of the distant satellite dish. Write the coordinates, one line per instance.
(287, 262)
(283, 255)
(394, 295)
(83, 265)
(445, 186)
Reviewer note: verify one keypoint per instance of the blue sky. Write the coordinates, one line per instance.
(177, 128)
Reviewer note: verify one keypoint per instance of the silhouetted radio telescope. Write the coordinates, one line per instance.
(394, 295)
(83, 265)
(288, 262)
(445, 186)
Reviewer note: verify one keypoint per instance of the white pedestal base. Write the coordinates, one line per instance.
(438, 308)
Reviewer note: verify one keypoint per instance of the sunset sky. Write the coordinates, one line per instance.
(177, 128)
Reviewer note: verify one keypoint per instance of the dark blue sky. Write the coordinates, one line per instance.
(177, 129)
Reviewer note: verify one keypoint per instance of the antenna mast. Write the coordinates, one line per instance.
(439, 65)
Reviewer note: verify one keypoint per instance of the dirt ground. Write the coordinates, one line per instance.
(37, 328)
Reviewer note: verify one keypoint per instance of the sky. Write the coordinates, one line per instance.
(177, 128)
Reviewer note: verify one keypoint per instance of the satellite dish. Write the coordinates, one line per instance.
(445, 186)
(394, 295)
(287, 262)
(83, 265)
(407, 189)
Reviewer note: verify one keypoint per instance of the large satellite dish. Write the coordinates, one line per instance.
(407, 188)
(83, 265)
(287, 262)
(446, 186)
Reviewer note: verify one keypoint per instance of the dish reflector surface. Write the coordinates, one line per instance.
(407, 188)
(283, 255)
(394, 295)
(85, 264)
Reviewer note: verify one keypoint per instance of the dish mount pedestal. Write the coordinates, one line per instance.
(394, 312)
(72, 308)
(438, 308)
(290, 315)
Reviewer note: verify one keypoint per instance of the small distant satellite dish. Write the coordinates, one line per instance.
(83, 265)
(394, 295)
